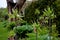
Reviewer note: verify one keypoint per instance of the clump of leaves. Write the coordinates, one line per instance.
(11, 33)
(23, 30)
(5, 23)
(10, 25)
(41, 31)
(49, 13)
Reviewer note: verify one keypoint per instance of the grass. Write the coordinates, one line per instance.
(3, 32)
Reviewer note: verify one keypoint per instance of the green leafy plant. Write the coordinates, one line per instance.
(10, 25)
(11, 33)
(5, 23)
(23, 30)
(49, 13)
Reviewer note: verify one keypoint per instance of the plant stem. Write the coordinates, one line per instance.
(36, 33)
(50, 28)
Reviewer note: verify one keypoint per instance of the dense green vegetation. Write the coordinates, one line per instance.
(3, 32)
(41, 22)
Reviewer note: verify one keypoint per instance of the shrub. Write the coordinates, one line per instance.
(22, 30)
(5, 23)
(11, 33)
(11, 25)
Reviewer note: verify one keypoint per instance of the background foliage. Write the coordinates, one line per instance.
(36, 16)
